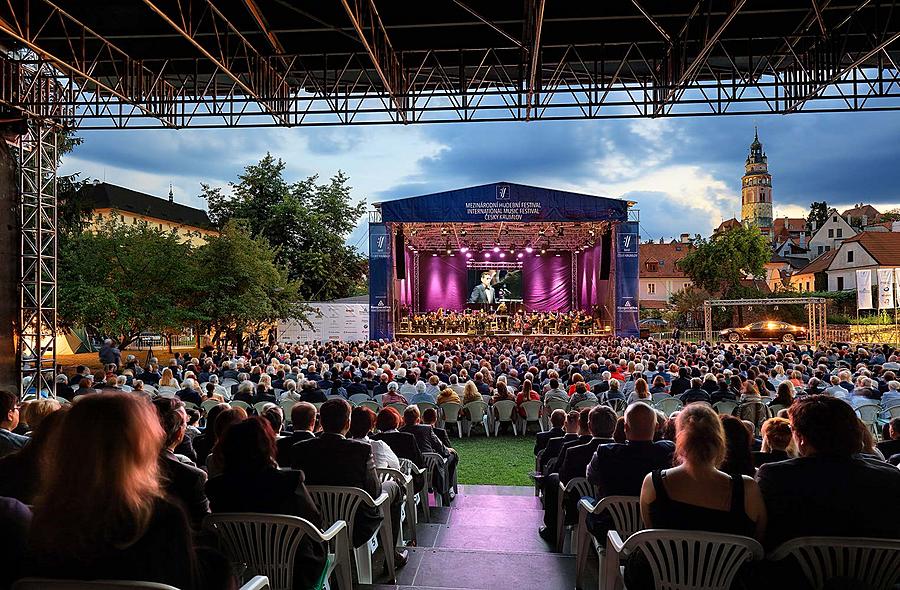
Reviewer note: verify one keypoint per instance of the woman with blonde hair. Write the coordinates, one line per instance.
(470, 393)
(167, 380)
(101, 511)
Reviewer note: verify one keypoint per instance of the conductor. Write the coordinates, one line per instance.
(484, 291)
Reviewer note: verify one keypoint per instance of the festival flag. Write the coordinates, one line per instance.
(863, 289)
(885, 288)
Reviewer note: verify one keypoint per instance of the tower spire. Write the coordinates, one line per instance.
(171, 194)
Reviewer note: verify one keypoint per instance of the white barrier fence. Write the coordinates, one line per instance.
(344, 322)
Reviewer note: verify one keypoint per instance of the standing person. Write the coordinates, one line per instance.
(110, 354)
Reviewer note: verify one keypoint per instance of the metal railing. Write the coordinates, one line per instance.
(147, 341)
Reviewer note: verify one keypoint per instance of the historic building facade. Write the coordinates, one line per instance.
(756, 188)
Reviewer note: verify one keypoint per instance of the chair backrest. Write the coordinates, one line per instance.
(451, 412)
(557, 404)
(868, 413)
(594, 382)
(190, 405)
(693, 559)
(477, 410)
(286, 406)
(260, 406)
(486, 399)
(47, 584)
(209, 404)
(400, 407)
(424, 406)
(579, 487)
(371, 404)
(239, 404)
(228, 382)
(655, 397)
(669, 405)
(618, 405)
(532, 410)
(775, 408)
(724, 407)
(588, 403)
(756, 412)
(358, 398)
(892, 411)
(167, 389)
(378, 398)
(265, 543)
(338, 503)
(874, 562)
(625, 512)
(504, 409)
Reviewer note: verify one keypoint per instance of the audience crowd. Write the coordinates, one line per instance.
(113, 477)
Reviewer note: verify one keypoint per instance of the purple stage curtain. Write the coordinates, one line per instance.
(442, 282)
(547, 282)
(592, 291)
(405, 286)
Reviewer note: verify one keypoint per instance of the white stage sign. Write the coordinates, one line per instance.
(345, 322)
(885, 288)
(863, 289)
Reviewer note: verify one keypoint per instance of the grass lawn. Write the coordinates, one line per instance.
(504, 461)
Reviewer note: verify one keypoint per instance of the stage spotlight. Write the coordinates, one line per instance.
(449, 251)
(557, 254)
(503, 255)
(434, 254)
(463, 249)
(542, 232)
(543, 251)
(511, 252)
(487, 254)
(496, 248)
(443, 231)
(520, 255)
(529, 249)
(463, 232)
(468, 254)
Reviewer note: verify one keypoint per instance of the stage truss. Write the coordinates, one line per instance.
(816, 309)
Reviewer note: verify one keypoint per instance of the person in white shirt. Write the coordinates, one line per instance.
(362, 420)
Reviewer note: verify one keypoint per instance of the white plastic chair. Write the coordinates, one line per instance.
(371, 404)
(868, 414)
(580, 487)
(358, 398)
(166, 391)
(239, 404)
(725, 407)
(618, 406)
(682, 559)
(286, 406)
(228, 383)
(450, 415)
(588, 403)
(875, 563)
(669, 405)
(436, 463)
(378, 398)
(400, 407)
(655, 397)
(503, 411)
(550, 406)
(341, 503)
(478, 415)
(267, 544)
(625, 512)
(532, 414)
(259, 407)
(424, 406)
(209, 404)
(190, 405)
(408, 514)
(411, 469)
(257, 583)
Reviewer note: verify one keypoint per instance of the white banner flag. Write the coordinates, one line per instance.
(897, 283)
(885, 288)
(863, 289)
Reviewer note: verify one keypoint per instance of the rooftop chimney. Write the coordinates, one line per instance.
(685, 238)
(171, 194)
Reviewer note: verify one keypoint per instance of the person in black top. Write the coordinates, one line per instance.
(696, 393)
(681, 383)
(303, 418)
(777, 443)
(738, 447)
(557, 420)
(252, 482)
(890, 446)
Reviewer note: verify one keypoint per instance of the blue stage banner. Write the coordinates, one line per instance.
(627, 284)
(503, 201)
(381, 318)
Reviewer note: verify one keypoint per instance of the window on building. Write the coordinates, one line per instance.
(651, 288)
(834, 219)
(807, 286)
(830, 233)
(827, 248)
(849, 255)
(840, 283)
(821, 249)
(651, 266)
(840, 232)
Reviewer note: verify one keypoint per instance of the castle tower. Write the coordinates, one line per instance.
(756, 188)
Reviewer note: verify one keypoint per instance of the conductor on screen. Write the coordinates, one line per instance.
(484, 291)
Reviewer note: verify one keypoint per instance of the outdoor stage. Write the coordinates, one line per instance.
(503, 259)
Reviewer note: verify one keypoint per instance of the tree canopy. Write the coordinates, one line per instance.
(818, 214)
(720, 263)
(307, 222)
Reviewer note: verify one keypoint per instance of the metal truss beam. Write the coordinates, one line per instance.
(534, 23)
(264, 84)
(367, 22)
(36, 330)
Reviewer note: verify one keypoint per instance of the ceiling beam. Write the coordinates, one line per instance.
(534, 22)
(367, 22)
(652, 21)
(260, 70)
(260, 19)
(489, 23)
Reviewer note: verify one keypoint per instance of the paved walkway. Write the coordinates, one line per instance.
(487, 540)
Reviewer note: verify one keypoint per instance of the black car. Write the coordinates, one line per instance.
(769, 330)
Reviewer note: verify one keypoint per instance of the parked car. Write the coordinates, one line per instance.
(653, 323)
(766, 330)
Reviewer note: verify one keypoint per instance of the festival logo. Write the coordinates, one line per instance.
(502, 192)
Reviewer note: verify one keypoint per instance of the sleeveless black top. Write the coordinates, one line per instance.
(667, 513)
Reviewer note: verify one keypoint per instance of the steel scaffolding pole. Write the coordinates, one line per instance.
(36, 346)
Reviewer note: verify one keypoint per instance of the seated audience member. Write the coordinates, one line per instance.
(527, 394)
(403, 444)
(20, 472)
(264, 394)
(551, 451)
(696, 393)
(422, 395)
(106, 463)
(245, 392)
(640, 392)
(428, 442)
(601, 422)
(777, 442)
(215, 462)
(618, 469)
(393, 395)
(556, 393)
(695, 495)
(252, 482)
(738, 447)
(193, 423)
(784, 395)
(613, 392)
(584, 437)
(681, 383)
(582, 394)
(303, 417)
(204, 442)
(429, 418)
(659, 385)
(891, 446)
(867, 446)
(184, 483)
(804, 496)
(62, 387)
(362, 420)
(188, 393)
(557, 421)
(37, 411)
(10, 442)
(471, 393)
(334, 460)
(312, 394)
(449, 395)
(274, 416)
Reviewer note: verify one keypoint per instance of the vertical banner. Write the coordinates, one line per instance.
(381, 319)
(863, 289)
(627, 240)
(885, 288)
(897, 284)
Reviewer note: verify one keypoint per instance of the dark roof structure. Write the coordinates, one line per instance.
(102, 195)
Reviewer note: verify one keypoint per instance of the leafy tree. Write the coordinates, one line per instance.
(718, 264)
(892, 215)
(120, 280)
(307, 222)
(818, 215)
(688, 306)
(243, 287)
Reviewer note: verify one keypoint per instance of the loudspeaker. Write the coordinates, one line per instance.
(605, 255)
(399, 255)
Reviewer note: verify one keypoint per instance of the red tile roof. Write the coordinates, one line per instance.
(666, 256)
(883, 246)
(871, 213)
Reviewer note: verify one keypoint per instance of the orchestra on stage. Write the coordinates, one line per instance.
(500, 320)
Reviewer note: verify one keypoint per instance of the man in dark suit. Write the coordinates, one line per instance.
(357, 387)
(618, 469)
(303, 417)
(428, 442)
(484, 292)
(823, 491)
(557, 421)
(584, 436)
(601, 423)
(402, 443)
(186, 483)
(681, 383)
(551, 451)
(429, 418)
(696, 393)
(890, 446)
(334, 460)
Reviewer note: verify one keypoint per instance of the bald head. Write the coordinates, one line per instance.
(640, 422)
